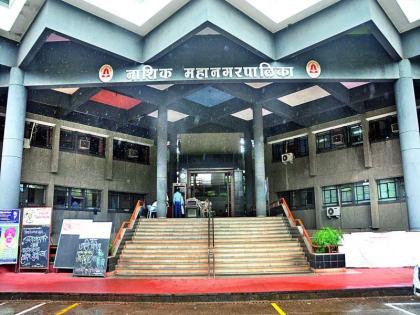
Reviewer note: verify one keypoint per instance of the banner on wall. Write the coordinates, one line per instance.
(9, 235)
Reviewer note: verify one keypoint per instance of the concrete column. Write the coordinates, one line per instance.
(409, 141)
(172, 161)
(109, 157)
(367, 151)
(102, 216)
(249, 172)
(162, 163)
(259, 165)
(55, 150)
(319, 208)
(11, 162)
(374, 206)
(49, 202)
(312, 153)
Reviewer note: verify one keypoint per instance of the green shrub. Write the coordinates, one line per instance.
(326, 236)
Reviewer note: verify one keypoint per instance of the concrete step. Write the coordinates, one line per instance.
(260, 265)
(161, 273)
(261, 271)
(162, 265)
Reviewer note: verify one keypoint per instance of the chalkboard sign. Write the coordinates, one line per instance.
(91, 257)
(68, 242)
(34, 249)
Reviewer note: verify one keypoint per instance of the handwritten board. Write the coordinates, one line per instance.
(68, 242)
(35, 238)
(34, 248)
(92, 251)
(91, 257)
(9, 235)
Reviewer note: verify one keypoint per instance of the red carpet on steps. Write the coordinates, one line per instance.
(27, 282)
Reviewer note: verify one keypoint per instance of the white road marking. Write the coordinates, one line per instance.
(395, 307)
(3, 303)
(31, 309)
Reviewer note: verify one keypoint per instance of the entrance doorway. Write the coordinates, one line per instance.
(216, 185)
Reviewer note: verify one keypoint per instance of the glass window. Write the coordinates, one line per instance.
(131, 152)
(32, 195)
(356, 134)
(323, 141)
(299, 199)
(67, 140)
(77, 198)
(387, 189)
(123, 202)
(82, 143)
(60, 197)
(330, 196)
(39, 135)
(362, 192)
(383, 129)
(346, 194)
(277, 151)
(297, 146)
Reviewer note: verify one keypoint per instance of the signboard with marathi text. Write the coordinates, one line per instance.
(92, 251)
(9, 235)
(35, 238)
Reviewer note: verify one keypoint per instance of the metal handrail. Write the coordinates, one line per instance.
(125, 225)
(294, 222)
(210, 243)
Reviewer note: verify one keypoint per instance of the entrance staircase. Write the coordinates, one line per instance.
(257, 246)
(165, 247)
(242, 246)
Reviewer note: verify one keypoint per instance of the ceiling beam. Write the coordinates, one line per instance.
(84, 28)
(80, 97)
(49, 97)
(8, 50)
(410, 42)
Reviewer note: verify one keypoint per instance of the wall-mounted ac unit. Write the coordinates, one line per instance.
(394, 128)
(133, 153)
(84, 144)
(287, 158)
(26, 143)
(338, 139)
(333, 212)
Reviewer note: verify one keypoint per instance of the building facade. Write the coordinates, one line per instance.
(98, 111)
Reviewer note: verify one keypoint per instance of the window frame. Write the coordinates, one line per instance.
(133, 197)
(24, 194)
(124, 147)
(77, 137)
(69, 196)
(329, 189)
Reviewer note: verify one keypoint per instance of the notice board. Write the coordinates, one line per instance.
(35, 238)
(9, 235)
(68, 241)
(92, 251)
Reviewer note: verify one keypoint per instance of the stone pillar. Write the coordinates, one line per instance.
(319, 207)
(312, 153)
(49, 202)
(102, 216)
(374, 206)
(172, 161)
(259, 165)
(249, 172)
(367, 151)
(55, 149)
(162, 163)
(109, 157)
(409, 141)
(11, 162)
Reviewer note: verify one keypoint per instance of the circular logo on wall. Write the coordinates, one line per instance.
(313, 69)
(106, 73)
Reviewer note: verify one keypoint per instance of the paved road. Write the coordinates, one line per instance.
(359, 306)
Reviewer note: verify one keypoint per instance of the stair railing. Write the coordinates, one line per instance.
(210, 243)
(124, 226)
(294, 222)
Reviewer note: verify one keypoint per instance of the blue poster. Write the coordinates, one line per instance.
(9, 235)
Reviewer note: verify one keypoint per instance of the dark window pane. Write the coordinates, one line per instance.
(67, 140)
(76, 198)
(346, 195)
(93, 199)
(60, 197)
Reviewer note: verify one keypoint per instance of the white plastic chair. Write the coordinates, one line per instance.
(150, 211)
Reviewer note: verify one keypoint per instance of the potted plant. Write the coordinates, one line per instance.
(327, 240)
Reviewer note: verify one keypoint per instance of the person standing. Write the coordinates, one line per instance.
(178, 203)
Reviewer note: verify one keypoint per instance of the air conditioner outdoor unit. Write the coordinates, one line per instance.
(287, 158)
(133, 153)
(338, 139)
(84, 144)
(333, 212)
(394, 128)
(26, 143)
